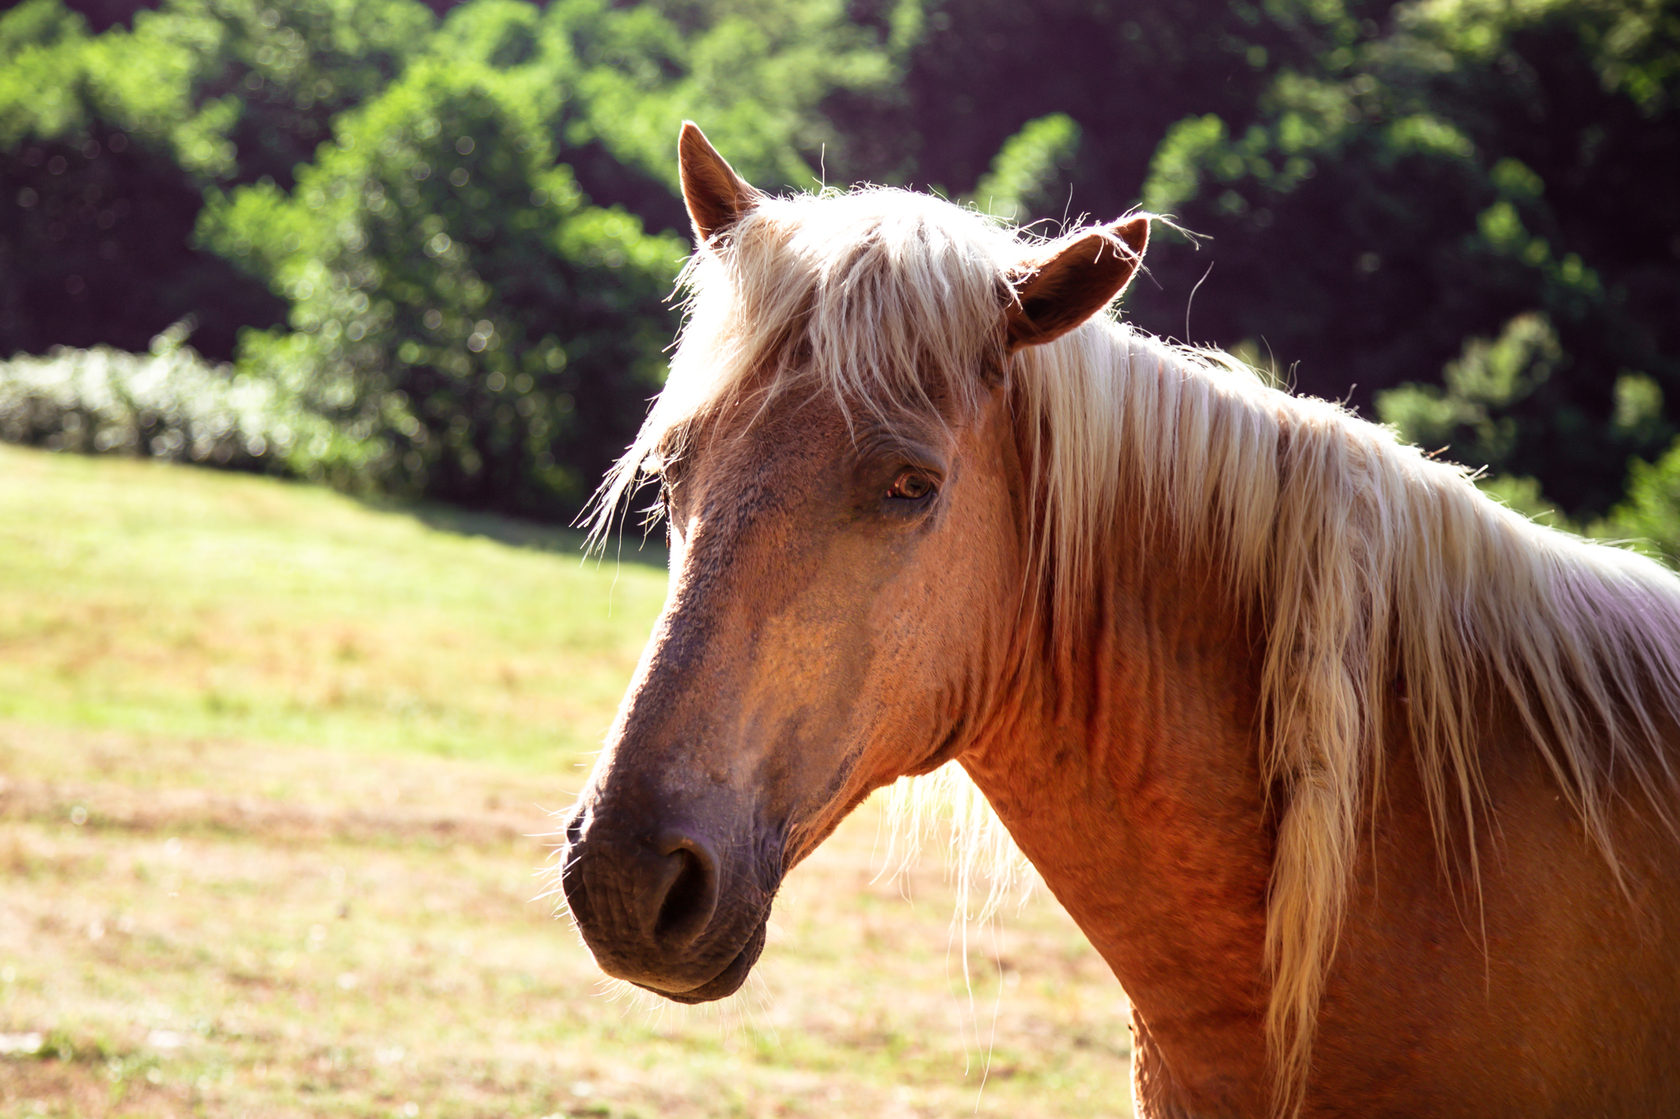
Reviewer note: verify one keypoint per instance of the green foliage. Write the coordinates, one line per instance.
(976, 71)
(43, 44)
(1504, 405)
(1029, 175)
(1522, 493)
(106, 143)
(169, 404)
(511, 37)
(233, 90)
(455, 302)
(1474, 164)
(471, 326)
(242, 89)
(35, 25)
(757, 74)
(1176, 172)
(95, 245)
(1473, 411)
(1450, 208)
(1650, 514)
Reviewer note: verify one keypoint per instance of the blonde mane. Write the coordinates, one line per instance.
(1376, 570)
(1379, 572)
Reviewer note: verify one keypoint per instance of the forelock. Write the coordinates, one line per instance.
(890, 302)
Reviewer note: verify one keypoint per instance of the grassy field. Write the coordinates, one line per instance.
(275, 771)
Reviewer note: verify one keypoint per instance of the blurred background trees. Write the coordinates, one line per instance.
(442, 234)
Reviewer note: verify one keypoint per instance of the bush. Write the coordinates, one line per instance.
(169, 403)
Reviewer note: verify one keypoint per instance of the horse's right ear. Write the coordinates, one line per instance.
(715, 195)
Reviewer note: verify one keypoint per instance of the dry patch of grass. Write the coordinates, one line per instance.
(194, 947)
(224, 891)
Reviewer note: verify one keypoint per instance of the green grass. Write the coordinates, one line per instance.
(274, 768)
(144, 598)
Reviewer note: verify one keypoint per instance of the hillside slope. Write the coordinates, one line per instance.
(274, 772)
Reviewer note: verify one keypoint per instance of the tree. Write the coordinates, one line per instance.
(976, 71)
(99, 192)
(107, 143)
(457, 306)
(261, 80)
(755, 74)
(1479, 164)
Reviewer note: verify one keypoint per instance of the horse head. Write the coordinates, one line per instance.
(843, 481)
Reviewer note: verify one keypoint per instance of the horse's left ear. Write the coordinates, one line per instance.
(715, 195)
(1073, 280)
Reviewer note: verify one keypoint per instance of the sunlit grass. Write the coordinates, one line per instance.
(143, 598)
(274, 772)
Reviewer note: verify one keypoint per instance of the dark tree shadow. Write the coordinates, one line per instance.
(627, 548)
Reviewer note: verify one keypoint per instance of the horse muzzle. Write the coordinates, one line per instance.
(663, 909)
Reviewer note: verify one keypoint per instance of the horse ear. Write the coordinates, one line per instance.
(1073, 280)
(715, 195)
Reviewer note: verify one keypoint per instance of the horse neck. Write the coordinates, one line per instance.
(1125, 768)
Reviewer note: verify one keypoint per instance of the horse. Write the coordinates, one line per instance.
(1361, 783)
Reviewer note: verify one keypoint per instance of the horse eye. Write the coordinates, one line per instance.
(910, 485)
(662, 472)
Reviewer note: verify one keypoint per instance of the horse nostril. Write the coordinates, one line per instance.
(690, 894)
(574, 827)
